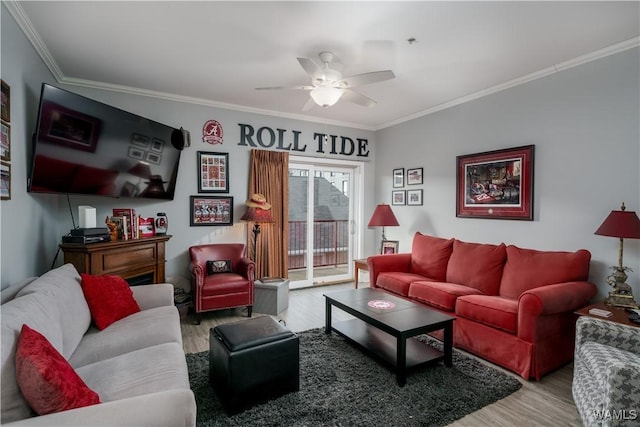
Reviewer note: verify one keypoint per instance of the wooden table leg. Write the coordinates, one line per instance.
(355, 272)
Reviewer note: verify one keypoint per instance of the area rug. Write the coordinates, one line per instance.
(342, 386)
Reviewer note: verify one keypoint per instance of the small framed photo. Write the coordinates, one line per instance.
(140, 140)
(211, 210)
(5, 181)
(398, 197)
(157, 145)
(389, 247)
(5, 136)
(136, 153)
(213, 172)
(5, 110)
(398, 178)
(414, 176)
(153, 158)
(414, 197)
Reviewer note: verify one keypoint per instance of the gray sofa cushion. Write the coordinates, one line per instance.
(149, 370)
(144, 329)
(62, 285)
(36, 311)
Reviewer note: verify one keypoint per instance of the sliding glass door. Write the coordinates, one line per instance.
(321, 217)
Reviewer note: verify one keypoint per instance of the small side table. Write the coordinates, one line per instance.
(271, 296)
(620, 315)
(359, 264)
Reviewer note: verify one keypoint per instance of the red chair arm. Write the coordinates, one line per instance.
(246, 268)
(390, 262)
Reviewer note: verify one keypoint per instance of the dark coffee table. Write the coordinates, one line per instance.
(384, 322)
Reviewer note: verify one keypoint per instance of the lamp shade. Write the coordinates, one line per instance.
(326, 96)
(623, 224)
(257, 215)
(383, 216)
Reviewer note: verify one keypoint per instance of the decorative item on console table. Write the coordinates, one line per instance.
(130, 227)
(621, 224)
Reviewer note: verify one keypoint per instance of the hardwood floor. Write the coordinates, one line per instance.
(544, 403)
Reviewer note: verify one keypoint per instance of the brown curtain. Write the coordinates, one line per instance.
(269, 176)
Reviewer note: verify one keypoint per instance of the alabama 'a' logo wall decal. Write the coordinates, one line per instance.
(212, 132)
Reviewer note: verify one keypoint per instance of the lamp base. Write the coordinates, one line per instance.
(621, 300)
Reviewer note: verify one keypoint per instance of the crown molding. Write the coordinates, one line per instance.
(562, 66)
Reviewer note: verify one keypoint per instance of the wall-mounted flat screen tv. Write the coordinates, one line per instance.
(82, 146)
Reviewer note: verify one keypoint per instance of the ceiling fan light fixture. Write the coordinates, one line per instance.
(326, 96)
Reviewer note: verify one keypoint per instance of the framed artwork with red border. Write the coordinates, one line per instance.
(496, 184)
(211, 210)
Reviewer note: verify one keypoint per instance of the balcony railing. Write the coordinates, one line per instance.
(330, 243)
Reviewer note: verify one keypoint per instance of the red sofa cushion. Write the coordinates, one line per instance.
(47, 381)
(430, 256)
(224, 284)
(440, 294)
(397, 282)
(477, 265)
(527, 269)
(497, 312)
(109, 298)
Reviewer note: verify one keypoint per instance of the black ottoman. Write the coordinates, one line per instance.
(252, 361)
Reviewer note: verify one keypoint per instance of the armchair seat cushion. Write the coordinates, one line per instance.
(397, 282)
(223, 284)
(440, 294)
(498, 312)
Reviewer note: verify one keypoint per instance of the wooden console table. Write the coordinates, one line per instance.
(138, 261)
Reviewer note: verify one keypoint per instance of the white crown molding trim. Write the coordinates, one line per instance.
(205, 102)
(580, 60)
(16, 10)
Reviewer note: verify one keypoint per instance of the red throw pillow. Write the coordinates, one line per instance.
(109, 299)
(430, 256)
(47, 381)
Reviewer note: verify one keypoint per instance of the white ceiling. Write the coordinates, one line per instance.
(216, 53)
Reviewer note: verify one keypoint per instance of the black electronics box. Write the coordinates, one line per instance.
(96, 231)
(86, 239)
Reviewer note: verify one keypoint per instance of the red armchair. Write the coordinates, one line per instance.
(225, 287)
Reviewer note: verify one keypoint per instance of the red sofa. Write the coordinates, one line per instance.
(513, 306)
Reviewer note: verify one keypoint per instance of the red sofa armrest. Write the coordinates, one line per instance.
(198, 272)
(390, 262)
(551, 300)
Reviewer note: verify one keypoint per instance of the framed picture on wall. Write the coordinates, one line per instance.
(398, 197)
(5, 106)
(398, 178)
(5, 181)
(414, 176)
(213, 172)
(5, 135)
(414, 197)
(496, 184)
(211, 210)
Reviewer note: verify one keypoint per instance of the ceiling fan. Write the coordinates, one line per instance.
(328, 85)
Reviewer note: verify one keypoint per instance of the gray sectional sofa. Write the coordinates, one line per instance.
(136, 365)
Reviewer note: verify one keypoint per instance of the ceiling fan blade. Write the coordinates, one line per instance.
(358, 98)
(285, 88)
(308, 105)
(367, 78)
(309, 66)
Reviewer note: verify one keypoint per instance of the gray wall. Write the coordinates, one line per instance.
(584, 123)
(31, 224)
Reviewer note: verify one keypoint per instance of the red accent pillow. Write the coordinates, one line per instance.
(430, 256)
(478, 265)
(47, 381)
(109, 299)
